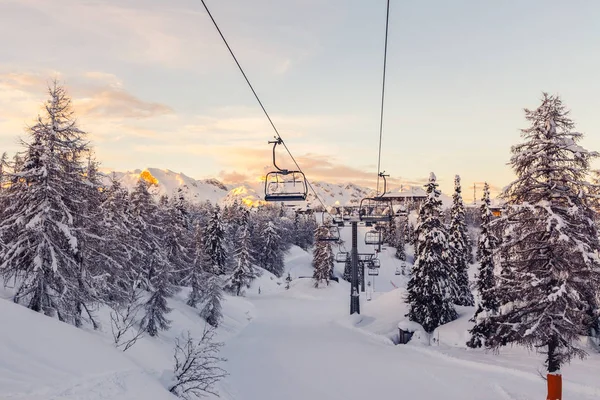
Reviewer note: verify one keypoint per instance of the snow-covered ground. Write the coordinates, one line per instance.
(282, 344)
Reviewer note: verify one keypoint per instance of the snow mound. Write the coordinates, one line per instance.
(42, 358)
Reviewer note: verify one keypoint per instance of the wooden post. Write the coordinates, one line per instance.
(554, 387)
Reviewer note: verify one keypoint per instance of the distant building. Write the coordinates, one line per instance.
(407, 194)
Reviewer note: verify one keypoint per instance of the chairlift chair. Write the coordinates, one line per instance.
(373, 237)
(375, 209)
(333, 232)
(365, 256)
(342, 257)
(397, 271)
(372, 271)
(284, 184)
(378, 208)
(375, 263)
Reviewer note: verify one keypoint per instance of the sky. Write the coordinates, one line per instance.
(154, 85)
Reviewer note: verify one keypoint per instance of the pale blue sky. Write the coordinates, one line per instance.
(155, 86)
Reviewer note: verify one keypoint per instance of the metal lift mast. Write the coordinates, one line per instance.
(354, 294)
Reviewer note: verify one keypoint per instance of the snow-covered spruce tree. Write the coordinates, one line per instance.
(399, 244)
(120, 251)
(196, 275)
(550, 242)
(243, 271)
(300, 232)
(270, 255)
(213, 296)
(459, 246)
(214, 243)
(323, 258)
(347, 271)
(177, 238)
(41, 252)
(429, 288)
(152, 262)
(487, 303)
(92, 243)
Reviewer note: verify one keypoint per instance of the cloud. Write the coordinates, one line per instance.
(118, 103)
(95, 95)
(233, 177)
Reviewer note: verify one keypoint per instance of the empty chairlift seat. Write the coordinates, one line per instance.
(376, 209)
(283, 184)
(373, 237)
(365, 256)
(342, 257)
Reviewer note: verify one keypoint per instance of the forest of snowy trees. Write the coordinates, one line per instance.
(73, 239)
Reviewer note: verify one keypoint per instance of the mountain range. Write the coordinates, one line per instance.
(167, 182)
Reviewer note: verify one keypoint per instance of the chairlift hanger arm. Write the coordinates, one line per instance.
(275, 143)
(384, 175)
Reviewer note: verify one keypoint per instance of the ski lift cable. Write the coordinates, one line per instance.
(387, 20)
(261, 104)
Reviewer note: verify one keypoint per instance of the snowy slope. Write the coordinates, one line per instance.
(303, 345)
(41, 358)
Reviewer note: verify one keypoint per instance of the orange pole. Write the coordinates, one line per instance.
(554, 387)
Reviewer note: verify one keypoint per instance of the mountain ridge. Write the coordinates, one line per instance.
(167, 182)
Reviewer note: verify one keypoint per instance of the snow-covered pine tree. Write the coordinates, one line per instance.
(152, 262)
(323, 258)
(156, 308)
(196, 275)
(243, 271)
(299, 236)
(117, 258)
(399, 244)
(41, 250)
(459, 246)
(390, 233)
(270, 255)
(487, 303)
(211, 311)
(429, 293)
(92, 242)
(214, 243)
(347, 271)
(177, 242)
(550, 242)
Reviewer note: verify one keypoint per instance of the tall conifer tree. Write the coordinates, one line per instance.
(459, 249)
(487, 303)
(550, 245)
(429, 289)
